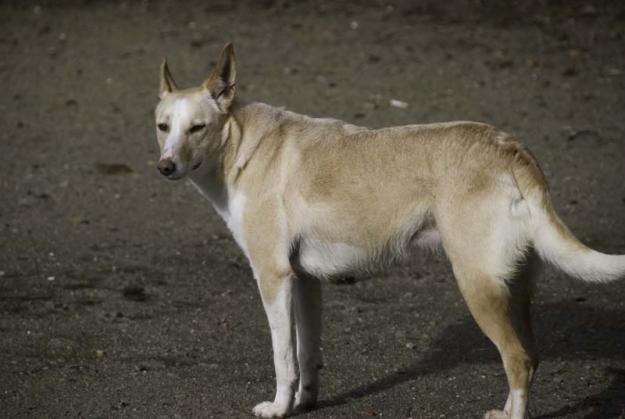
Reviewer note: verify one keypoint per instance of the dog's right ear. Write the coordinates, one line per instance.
(221, 83)
(168, 84)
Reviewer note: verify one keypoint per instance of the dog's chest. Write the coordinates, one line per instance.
(229, 204)
(234, 218)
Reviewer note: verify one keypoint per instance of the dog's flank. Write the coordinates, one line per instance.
(308, 198)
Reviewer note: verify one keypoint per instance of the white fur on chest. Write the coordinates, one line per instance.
(229, 204)
(234, 218)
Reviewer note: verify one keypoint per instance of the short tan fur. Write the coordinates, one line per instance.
(308, 198)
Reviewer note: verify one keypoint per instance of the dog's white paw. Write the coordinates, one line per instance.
(270, 410)
(496, 414)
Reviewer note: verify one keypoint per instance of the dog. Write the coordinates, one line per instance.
(308, 198)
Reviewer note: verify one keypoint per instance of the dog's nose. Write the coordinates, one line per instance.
(166, 167)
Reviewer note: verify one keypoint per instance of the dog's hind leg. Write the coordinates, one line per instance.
(493, 263)
(503, 314)
(307, 304)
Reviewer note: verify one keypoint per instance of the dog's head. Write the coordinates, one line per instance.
(189, 122)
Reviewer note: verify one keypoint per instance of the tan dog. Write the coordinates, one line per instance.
(309, 198)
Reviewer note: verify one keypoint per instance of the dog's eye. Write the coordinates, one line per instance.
(163, 127)
(196, 128)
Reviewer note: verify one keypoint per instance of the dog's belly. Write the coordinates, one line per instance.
(327, 259)
(361, 248)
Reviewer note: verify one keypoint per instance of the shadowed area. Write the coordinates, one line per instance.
(463, 343)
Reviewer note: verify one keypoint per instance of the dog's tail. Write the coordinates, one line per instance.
(553, 241)
(557, 245)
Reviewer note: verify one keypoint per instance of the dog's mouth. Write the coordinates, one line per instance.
(174, 176)
(198, 164)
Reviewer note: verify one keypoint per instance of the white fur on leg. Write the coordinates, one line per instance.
(515, 408)
(279, 314)
(307, 303)
(508, 407)
(519, 410)
(496, 414)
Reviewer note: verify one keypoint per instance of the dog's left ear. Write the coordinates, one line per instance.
(168, 84)
(221, 83)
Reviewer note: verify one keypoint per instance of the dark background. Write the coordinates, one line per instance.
(123, 295)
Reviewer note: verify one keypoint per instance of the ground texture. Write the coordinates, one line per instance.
(123, 295)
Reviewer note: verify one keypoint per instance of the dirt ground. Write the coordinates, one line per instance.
(123, 295)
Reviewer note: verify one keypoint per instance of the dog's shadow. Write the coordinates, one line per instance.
(592, 334)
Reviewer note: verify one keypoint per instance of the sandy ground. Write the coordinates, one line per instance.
(123, 295)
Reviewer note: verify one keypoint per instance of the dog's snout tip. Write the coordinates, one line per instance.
(166, 167)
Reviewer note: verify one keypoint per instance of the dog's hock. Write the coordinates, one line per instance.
(221, 83)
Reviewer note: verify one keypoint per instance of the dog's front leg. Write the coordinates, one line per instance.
(276, 292)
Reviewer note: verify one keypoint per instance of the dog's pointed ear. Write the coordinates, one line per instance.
(168, 84)
(221, 83)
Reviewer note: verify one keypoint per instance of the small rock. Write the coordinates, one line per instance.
(614, 72)
(134, 293)
(321, 79)
(504, 63)
(589, 10)
(113, 168)
(584, 135)
(574, 52)
(569, 72)
(398, 104)
(289, 71)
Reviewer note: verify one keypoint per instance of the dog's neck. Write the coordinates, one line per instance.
(246, 125)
